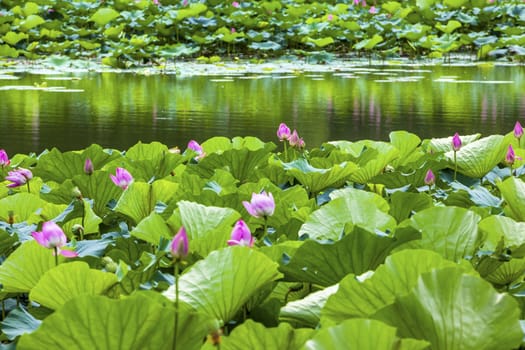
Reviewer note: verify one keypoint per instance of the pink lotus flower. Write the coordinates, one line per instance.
(52, 237)
(295, 140)
(430, 178)
(261, 205)
(4, 159)
(88, 166)
(233, 30)
(194, 145)
(19, 177)
(241, 235)
(122, 178)
(373, 10)
(456, 142)
(185, 3)
(236, 4)
(518, 130)
(179, 246)
(156, 2)
(510, 157)
(329, 17)
(283, 132)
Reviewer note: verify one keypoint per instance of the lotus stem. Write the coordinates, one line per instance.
(28, 188)
(285, 152)
(455, 166)
(55, 249)
(176, 304)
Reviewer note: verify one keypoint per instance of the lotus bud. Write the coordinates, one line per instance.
(518, 130)
(179, 245)
(283, 132)
(261, 205)
(456, 142)
(4, 159)
(510, 157)
(88, 166)
(241, 235)
(430, 178)
(76, 193)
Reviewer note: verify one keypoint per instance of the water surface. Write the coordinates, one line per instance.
(116, 110)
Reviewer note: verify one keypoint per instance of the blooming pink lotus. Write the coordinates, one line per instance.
(197, 148)
(19, 177)
(241, 235)
(52, 237)
(283, 132)
(295, 140)
(261, 205)
(4, 159)
(122, 178)
(456, 142)
(236, 4)
(179, 246)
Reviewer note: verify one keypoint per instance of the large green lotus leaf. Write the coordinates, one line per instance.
(148, 161)
(22, 270)
(404, 204)
(242, 163)
(57, 166)
(449, 231)
(152, 228)
(66, 281)
(31, 22)
(13, 38)
(21, 205)
(99, 187)
(348, 207)
(100, 156)
(138, 322)
(357, 252)
(513, 192)
(399, 274)
(406, 143)
(208, 228)
(225, 280)
(361, 334)
(373, 160)
(140, 198)
(317, 179)
(478, 158)
(103, 16)
(454, 310)
(217, 144)
(254, 336)
(445, 144)
(507, 273)
(497, 227)
(454, 3)
(306, 312)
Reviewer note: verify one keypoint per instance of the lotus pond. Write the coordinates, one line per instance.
(53, 104)
(240, 243)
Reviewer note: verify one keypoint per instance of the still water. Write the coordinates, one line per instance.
(116, 110)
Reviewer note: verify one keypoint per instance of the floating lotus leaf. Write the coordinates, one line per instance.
(66, 281)
(22, 206)
(152, 228)
(225, 280)
(373, 160)
(357, 252)
(208, 228)
(446, 307)
(478, 158)
(513, 192)
(348, 207)
(103, 16)
(358, 297)
(140, 199)
(138, 322)
(306, 312)
(497, 227)
(22, 270)
(449, 231)
(254, 336)
(317, 179)
(361, 334)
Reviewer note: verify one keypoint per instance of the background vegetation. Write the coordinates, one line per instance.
(123, 32)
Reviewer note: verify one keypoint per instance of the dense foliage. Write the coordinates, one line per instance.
(368, 245)
(124, 33)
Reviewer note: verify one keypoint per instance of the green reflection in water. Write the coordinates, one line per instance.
(117, 110)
